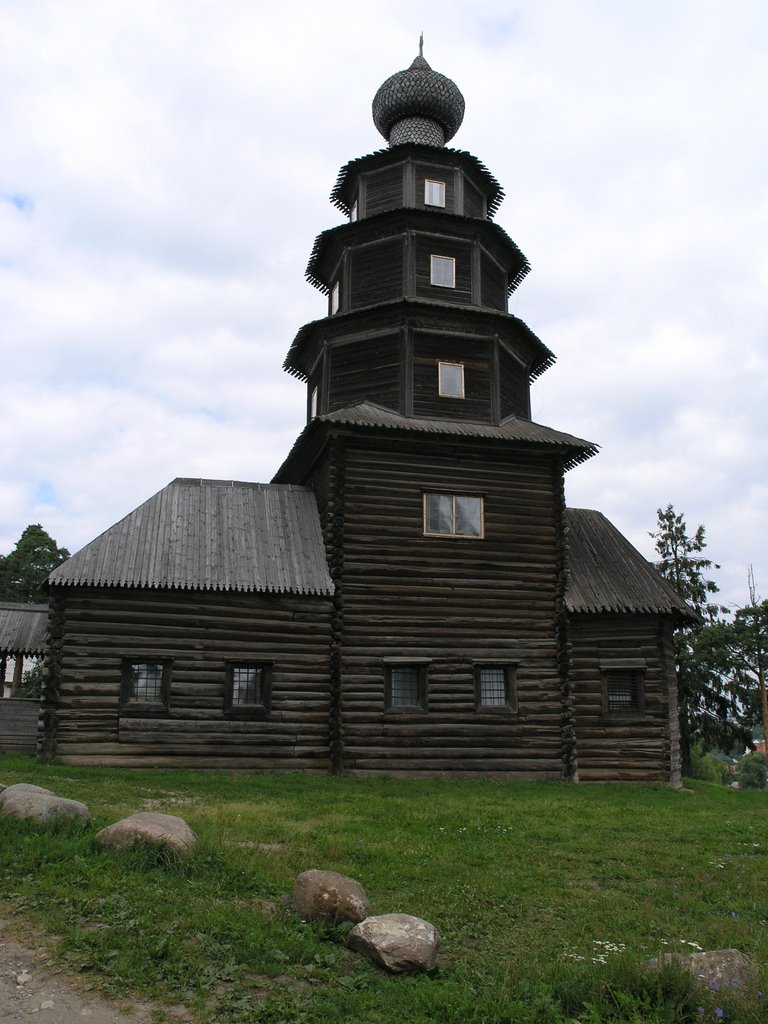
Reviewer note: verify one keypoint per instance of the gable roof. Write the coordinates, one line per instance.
(210, 535)
(22, 628)
(608, 574)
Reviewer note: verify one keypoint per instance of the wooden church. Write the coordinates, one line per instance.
(410, 594)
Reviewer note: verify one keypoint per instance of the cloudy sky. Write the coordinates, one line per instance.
(165, 167)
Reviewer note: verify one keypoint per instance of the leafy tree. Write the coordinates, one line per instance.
(31, 684)
(23, 572)
(737, 650)
(708, 699)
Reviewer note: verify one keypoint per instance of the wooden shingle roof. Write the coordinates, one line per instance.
(22, 628)
(210, 535)
(608, 574)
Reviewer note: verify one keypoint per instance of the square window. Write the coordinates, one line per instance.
(335, 298)
(495, 687)
(406, 686)
(434, 193)
(450, 380)
(442, 271)
(624, 691)
(453, 515)
(248, 687)
(146, 686)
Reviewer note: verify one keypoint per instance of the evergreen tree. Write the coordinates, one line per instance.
(25, 569)
(708, 699)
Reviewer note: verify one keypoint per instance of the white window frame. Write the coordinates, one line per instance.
(438, 263)
(435, 189)
(453, 532)
(313, 400)
(443, 389)
(353, 212)
(335, 298)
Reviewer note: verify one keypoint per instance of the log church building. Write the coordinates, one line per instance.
(410, 593)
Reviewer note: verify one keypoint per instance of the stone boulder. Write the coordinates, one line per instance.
(150, 828)
(713, 969)
(40, 805)
(328, 896)
(397, 942)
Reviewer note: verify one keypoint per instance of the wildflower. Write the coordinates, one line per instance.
(718, 1012)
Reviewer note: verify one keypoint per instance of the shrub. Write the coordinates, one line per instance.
(752, 771)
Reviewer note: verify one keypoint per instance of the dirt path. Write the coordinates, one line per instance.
(32, 990)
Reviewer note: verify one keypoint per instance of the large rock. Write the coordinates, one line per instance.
(713, 969)
(149, 828)
(397, 942)
(40, 805)
(328, 896)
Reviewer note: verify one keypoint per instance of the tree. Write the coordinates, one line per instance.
(752, 771)
(25, 569)
(738, 650)
(708, 699)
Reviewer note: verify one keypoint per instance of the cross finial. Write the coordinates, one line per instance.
(421, 45)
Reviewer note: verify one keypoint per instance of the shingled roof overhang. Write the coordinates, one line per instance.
(210, 535)
(608, 574)
(368, 415)
(329, 245)
(342, 193)
(23, 628)
(423, 314)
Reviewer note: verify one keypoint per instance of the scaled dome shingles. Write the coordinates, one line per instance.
(418, 91)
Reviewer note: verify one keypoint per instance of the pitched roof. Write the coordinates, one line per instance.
(22, 628)
(608, 574)
(210, 535)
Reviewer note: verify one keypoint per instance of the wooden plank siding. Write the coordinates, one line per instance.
(426, 246)
(453, 601)
(629, 747)
(514, 390)
(383, 190)
(376, 272)
(200, 631)
(474, 355)
(18, 725)
(369, 369)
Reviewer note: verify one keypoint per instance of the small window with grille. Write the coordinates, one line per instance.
(624, 690)
(146, 686)
(248, 687)
(495, 687)
(406, 686)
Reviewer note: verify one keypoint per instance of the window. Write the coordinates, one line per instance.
(335, 298)
(146, 686)
(434, 193)
(313, 403)
(450, 378)
(495, 687)
(623, 686)
(249, 687)
(453, 515)
(406, 686)
(353, 212)
(442, 271)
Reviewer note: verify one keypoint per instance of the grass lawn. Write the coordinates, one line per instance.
(548, 896)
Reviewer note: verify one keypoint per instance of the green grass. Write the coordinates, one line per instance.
(548, 897)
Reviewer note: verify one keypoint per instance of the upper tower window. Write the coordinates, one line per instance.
(335, 299)
(442, 271)
(434, 193)
(353, 212)
(450, 378)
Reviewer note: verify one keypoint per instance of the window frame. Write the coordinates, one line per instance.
(335, 298)
(314, 402)
(421, 666)
(441, 190)
(260, 710)
(510, 705)
(452, 534)
(144, 708)
(353, 212)
(440, 391)
(614, 666)
(446, 260)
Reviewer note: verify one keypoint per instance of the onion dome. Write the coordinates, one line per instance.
(418, 105)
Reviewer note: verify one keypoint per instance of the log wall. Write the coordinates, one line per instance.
(18, 725)
(451, 601)
(200, 631)
(630, 746)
